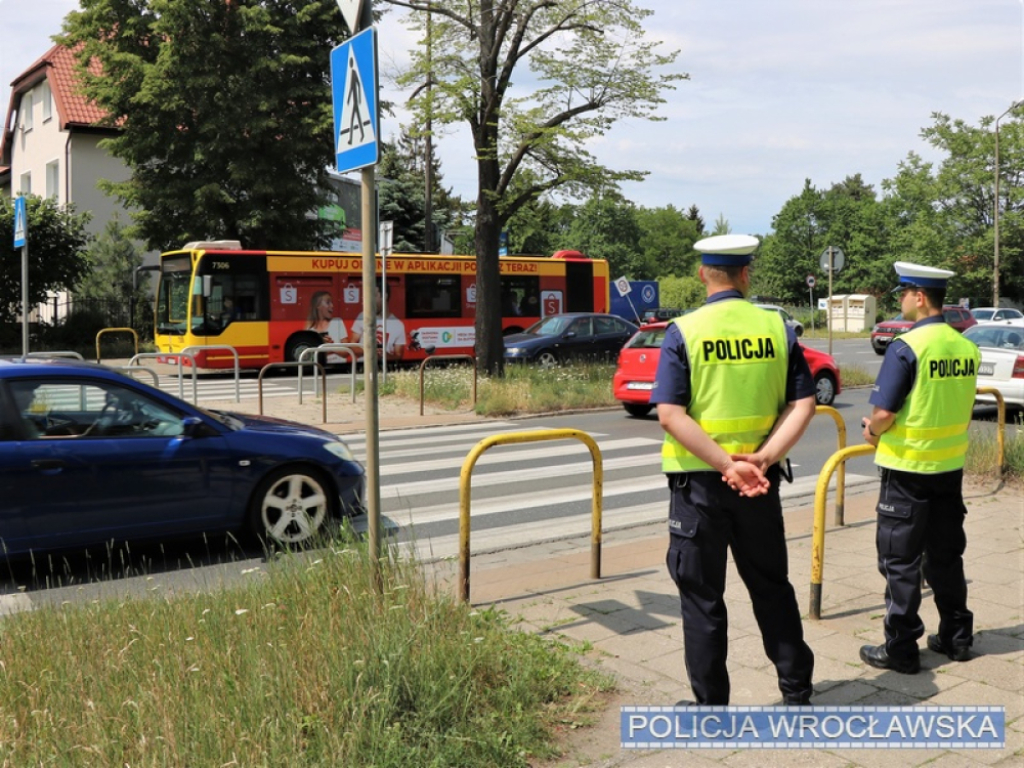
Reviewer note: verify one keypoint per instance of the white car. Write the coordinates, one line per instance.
(991, 314)
(788, 319)
(1002, 360)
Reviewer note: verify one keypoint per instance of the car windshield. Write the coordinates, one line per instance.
(998, 337)
(549, 326)
(650, 339)
(897, 319)
(983, 314)
(231, 422)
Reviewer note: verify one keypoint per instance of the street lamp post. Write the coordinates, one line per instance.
(995, 213)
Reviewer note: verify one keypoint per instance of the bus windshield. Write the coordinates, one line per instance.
(173, 295)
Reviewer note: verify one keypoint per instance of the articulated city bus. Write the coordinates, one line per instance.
(270, 306)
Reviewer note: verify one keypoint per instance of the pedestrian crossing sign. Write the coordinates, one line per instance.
(20, 222)
(354, 91)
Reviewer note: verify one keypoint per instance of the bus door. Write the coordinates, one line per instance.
(579, 286)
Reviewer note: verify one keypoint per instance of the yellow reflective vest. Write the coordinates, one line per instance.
(738, 359)
(929, 434)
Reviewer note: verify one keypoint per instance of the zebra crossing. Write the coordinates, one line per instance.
(224, 389)
(520, 493)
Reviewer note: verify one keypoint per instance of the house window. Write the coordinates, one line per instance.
(26, 112)
(26, 183)
(47, 97)
(53, 179)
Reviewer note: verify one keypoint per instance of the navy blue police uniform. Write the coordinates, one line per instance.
(920, 530)
(706, 519)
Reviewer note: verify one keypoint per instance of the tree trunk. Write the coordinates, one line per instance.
(490, 350)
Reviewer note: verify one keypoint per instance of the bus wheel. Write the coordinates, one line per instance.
(298, 344)
(291, 506)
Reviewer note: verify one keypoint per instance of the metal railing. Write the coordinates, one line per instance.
(181, 377)
(268, 366)
(58, 353)
(423, 366)
(229, 348)
(1001, 421)
(115, 330)
(333, 347)
(129, 371)
(527, 437)
(841, 478)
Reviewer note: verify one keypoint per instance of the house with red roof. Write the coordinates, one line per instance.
(50, 141)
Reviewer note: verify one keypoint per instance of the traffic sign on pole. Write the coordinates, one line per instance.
(810, 281)
(20, 222)
(354, 90)
(350, 11)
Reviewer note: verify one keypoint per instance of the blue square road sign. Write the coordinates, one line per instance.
(354, 92)
(20, 222)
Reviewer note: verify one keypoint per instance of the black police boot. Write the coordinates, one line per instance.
(876, 656)
(954, 652)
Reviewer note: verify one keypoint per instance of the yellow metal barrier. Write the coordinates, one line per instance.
(116, 330)
(818, 538)
(1001, 418)
(840, 516)
(423, 366)
(527, 437)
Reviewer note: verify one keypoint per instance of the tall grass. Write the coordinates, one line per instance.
(307, 664)
(524, 389)
(983, 453)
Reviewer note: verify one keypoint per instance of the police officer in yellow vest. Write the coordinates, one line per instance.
(734, 394)
(923, 399)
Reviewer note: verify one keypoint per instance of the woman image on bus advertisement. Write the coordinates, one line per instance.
(390, 331)
(322, 320)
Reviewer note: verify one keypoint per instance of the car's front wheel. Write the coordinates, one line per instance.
(637, 410)
(547, 359)
(291, 506)
(824, 388)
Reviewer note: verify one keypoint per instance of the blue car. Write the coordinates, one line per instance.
(569, 336)
(89, 456)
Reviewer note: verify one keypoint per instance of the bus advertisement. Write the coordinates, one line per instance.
(271, 306)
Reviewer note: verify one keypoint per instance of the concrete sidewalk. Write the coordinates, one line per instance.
(630, 619)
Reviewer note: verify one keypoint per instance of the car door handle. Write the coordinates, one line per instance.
(48, 464)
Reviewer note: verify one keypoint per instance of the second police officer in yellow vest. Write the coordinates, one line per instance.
(923, 400)
(734, 394)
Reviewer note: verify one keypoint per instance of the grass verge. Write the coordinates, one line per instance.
(306, 664)
(983, 454)
(524, 389)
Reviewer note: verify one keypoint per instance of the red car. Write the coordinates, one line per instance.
(638, 363)
(887, 330)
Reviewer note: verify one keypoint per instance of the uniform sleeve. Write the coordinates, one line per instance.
(895, 378)
(799, 381)
(672, 381)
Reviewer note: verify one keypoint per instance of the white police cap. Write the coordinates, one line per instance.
(727, 250)
(920, 276)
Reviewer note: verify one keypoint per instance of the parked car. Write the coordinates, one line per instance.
(989, 314)
(569, 336)
(1002, 360)
(887, 330)
(88, 455)
(788, 319)
(638, 364)
(663, 313)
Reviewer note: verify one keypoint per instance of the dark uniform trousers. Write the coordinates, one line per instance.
(921, 517)
(706, 519)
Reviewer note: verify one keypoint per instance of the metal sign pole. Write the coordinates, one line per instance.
(831, 265)
(24, 299)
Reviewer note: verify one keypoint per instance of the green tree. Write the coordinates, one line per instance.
(666, 240)
(114, 259)
(595, 67)
(57, 240)
(693, 214)
(607, 227)
(943, 215)
(681, 292)
(402, 186)
(225, 111)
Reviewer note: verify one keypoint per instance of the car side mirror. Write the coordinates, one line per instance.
(569, 335)
(192, 426)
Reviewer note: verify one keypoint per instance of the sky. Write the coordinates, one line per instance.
(778, 93)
